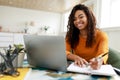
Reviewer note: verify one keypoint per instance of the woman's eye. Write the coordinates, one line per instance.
(81, 16)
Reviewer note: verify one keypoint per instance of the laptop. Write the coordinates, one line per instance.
(46, 51)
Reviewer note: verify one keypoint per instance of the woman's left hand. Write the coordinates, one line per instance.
(96, 63)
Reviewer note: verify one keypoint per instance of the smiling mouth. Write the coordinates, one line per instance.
(80, 24)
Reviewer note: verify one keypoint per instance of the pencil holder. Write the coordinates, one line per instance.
(7, 56)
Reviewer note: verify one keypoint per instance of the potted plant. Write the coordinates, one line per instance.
(46, 28)
(6, 67)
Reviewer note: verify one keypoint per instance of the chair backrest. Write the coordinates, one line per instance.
(114, 58)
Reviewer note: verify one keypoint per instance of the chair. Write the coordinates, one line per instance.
(114, 58)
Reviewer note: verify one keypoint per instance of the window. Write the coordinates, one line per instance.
(110, 13)
(115, 13)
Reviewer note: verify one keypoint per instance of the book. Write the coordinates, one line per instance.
(105, 70)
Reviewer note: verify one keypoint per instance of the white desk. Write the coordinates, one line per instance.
(41, 74)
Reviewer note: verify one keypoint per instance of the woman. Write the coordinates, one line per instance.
(84, 42)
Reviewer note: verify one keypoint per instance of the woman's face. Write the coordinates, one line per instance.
(80, 20)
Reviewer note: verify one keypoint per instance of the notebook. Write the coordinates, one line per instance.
(49, 52)
(105, 70)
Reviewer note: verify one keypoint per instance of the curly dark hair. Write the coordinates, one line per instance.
(73, 32)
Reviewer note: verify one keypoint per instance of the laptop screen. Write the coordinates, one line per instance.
(46, 51)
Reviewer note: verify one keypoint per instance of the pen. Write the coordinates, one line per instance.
(97, 58)
(102, 55)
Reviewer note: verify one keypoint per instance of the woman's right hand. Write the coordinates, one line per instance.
(78, 60)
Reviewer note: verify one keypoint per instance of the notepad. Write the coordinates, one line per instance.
(105, 70)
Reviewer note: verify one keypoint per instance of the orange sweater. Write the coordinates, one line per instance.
(99, 47)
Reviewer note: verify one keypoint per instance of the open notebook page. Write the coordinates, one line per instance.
(106, 70)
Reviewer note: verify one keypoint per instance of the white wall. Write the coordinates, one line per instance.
(114, 37)
(14, 19)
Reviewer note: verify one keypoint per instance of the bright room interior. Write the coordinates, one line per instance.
(50, 17)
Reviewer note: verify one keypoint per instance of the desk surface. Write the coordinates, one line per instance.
(42, 74)
(23, 72)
